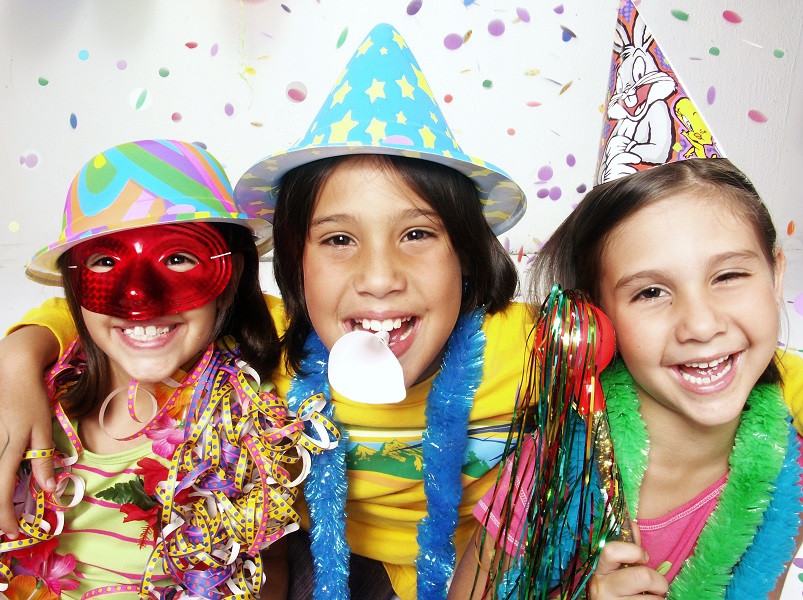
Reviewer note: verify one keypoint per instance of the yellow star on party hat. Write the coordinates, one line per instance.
(382, 104)
(649, 118)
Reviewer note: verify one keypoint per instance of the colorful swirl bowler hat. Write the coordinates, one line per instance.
(138, 184)
(382, 104)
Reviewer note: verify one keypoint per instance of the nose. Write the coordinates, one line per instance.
(380, 272)
(140, 288)
(699, 318)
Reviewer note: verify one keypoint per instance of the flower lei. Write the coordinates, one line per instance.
(742, 548)
(226, 495)
(444, 441)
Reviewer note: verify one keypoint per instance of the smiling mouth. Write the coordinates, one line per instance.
(398, 329)
(147, 334)
(704, 373)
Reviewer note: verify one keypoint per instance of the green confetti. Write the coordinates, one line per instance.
(343, 35)
(487, 84)
(164, 72)
(778, 53)
(713, 51)
(679, 14)
(43, 82)
(141, 100)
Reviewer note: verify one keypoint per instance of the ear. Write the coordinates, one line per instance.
(227, 296)
(778, 271)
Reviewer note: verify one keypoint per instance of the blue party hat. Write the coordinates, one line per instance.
(382, 104)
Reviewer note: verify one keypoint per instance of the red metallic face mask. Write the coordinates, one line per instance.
(149, 272)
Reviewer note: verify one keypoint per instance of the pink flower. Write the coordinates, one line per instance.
(166, 435)
(45, 564)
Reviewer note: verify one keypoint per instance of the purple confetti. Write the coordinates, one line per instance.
(581, 189)
(554, 193)
(711, 96)
(453, 41)
(496, 27)
(523, 14)
(30, 160)
(558, 9)
(414, 7)
(122, 65)
(545, 173)
(567, 34)
(286, 8)
(228, 109)
(214, 49)
(571, 160)
(542, 193)
(797, 303)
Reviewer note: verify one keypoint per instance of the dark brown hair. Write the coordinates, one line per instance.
(571, 257)
(244, 316)
(491, 275)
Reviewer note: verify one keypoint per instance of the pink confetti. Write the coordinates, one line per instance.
(448, 98)
(30, 160)
(453, 41)
(711, 96)
(214, 49)
(191, 45)
(798, 304)
(731, 16)
(523, 14)
(176, 117)
(757, 116)
(533, 103)
(122, 65)
(545, 173)
(296, 92)
(511, 131)
(496, 27)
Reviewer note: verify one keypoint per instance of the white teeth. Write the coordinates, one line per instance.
(145, 334)
(705, 380)
(706, 365)
(376, 325)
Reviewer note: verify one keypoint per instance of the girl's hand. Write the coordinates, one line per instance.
(25, 418)
(622, 573)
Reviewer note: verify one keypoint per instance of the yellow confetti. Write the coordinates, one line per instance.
(532, 72)
(565, 87)
(256, 123)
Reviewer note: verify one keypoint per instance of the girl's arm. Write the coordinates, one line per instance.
(622, 573)
(25, 419)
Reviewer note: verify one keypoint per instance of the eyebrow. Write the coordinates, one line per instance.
(349, 218)
(653, 274)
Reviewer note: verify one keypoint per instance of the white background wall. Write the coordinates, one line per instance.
(217, 71)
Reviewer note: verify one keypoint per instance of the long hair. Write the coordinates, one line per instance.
(491, 281)
(571, 256)
(244, 316)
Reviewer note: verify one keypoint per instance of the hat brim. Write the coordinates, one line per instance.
(43, 267)
(504, 202)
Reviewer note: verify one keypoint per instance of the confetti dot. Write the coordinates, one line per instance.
(523, 14)
(555, 193)
(757, 116)
(214, 49)
(191, 45)
(567, 34)
(42, 81)
(542, 193)
(296, 92)
(496, 27)
(448, 98)
(713, 51)
(164, 72)
(73, 121)
(533, 103)
(343, 35)
(571, 160)
(487, 84)
(511, 131)
(228, 109)
(798, 304)
(778, 53)
(29, 160)
(83, 55)
(581, 189)
(122, 65)
(467, 36)
(790, 229)
(13, 227)
(414, 7)
(711, 95)
(545, 173)
(286, 8)
(731, 16)
(139, 99)
(558, 9)
(680, 15)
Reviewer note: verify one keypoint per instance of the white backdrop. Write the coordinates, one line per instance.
(82, 75)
